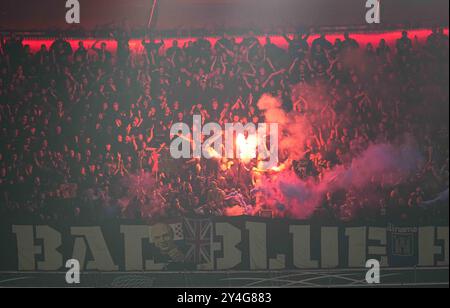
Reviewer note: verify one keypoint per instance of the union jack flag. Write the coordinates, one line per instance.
(198, 239)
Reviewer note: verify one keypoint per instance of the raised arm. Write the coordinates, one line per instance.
(274, 74)
(291, 68)
(94, 46)
(287, 38)
(211, 69)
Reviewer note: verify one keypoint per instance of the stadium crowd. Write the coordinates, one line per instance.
(85, 133)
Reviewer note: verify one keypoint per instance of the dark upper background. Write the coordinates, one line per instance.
(193, 14)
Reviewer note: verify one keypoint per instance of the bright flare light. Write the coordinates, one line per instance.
(246, 147)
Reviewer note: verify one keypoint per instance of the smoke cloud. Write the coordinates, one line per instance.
(383, 163)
